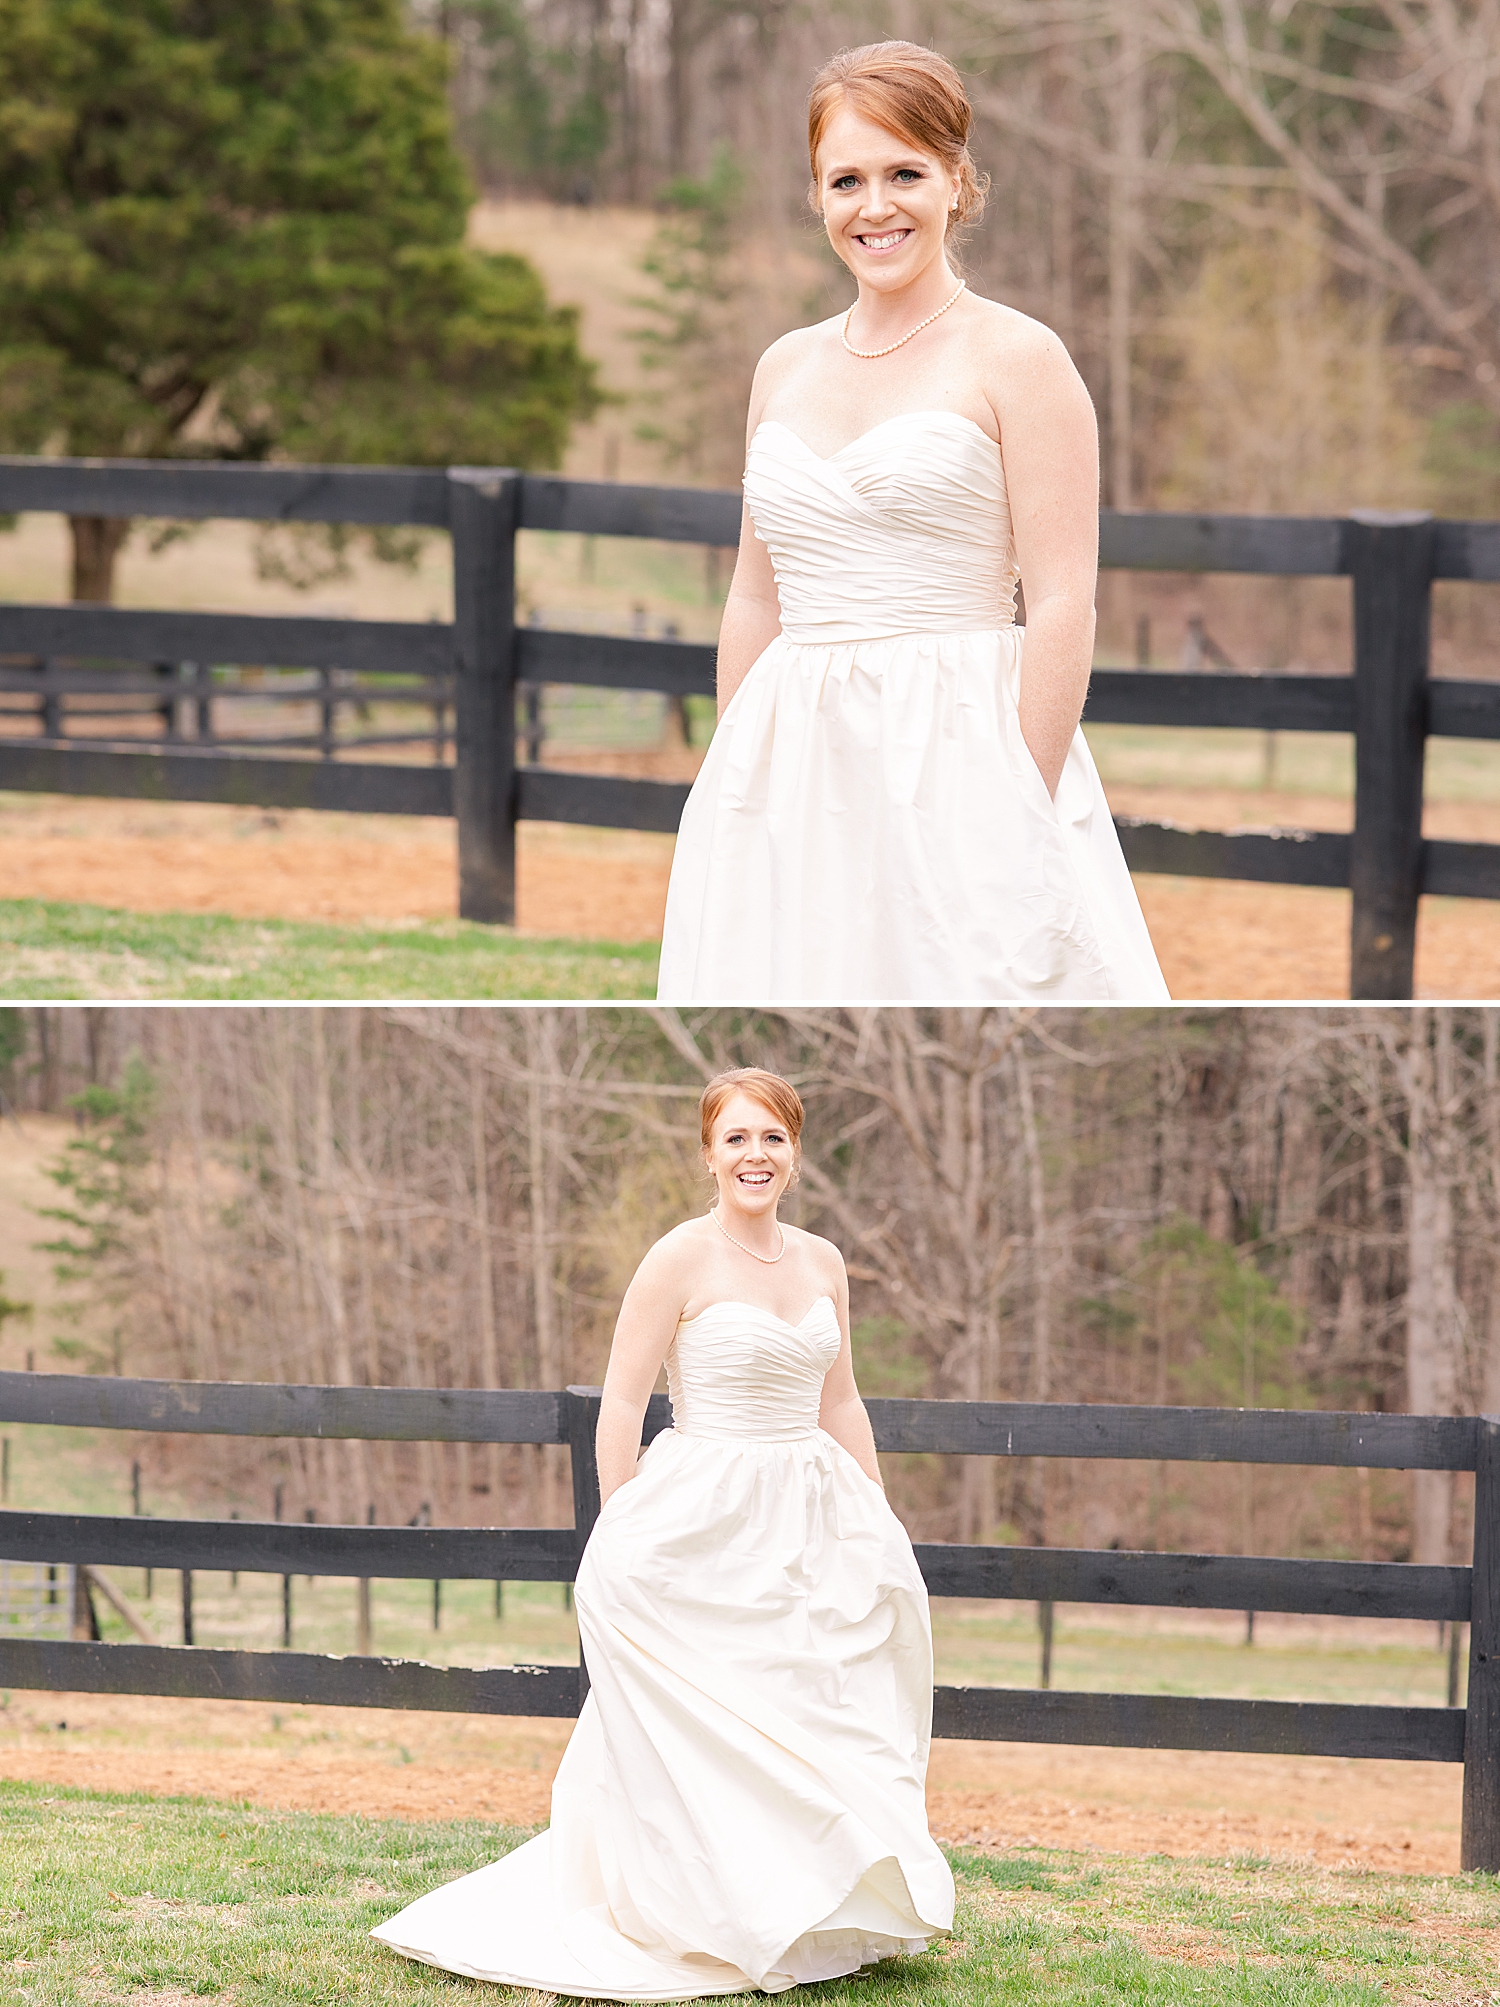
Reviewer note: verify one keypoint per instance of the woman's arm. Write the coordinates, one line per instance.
(752, 613)
(643, 1333)
(752, 610)
(1050, 441)
(841, 1413)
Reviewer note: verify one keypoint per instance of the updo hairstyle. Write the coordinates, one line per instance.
(779, 1095)
(914, 93)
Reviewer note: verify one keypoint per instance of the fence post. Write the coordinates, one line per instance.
(1389, 555)
(49, 704)
(482, 506)
(362, 1604)
(582, 1411)
(1481, 1828)
(85, 1617)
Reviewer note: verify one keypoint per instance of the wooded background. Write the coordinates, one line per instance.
(1239, 1207)
(1270, 233)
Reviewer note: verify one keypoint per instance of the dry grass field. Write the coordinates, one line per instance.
(1400, 1817)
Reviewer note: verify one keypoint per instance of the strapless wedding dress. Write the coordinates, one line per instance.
(741, 1804)
(868, 824)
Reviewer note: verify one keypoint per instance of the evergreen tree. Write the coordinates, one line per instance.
(694, 339)
(107, 1195)
(12, 1306)
(237, 231)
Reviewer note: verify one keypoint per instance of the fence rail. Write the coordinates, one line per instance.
(1470, 1735)
(476, 665)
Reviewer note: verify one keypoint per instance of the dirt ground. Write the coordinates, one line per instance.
(1402, 1816)
(303, 865)
(1215, 939)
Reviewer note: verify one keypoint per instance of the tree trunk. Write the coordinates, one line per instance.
(97, 542)
(484, 1236)
(49, 1046)
(1063, 103)
(1041, 1275)
(1124, 194)
(541, 1055)
(1489, 1383)
(1432, 1313)
(680, 40)
(632, 90)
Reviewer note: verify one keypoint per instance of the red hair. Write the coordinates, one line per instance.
(914, 93)
(779, 1095)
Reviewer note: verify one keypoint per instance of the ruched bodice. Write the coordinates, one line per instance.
(735, 1370)
(906, 530)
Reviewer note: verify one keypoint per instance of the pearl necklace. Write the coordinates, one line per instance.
(874, 354)
(768, 1259)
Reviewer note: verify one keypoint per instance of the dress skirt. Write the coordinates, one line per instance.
(741, 1805)
(869, 826)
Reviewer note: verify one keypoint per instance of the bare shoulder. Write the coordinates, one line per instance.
(789, 354)
(1020, 349)
(828, 1258)
(674, 1255)
(796, 345)
(683, 1238)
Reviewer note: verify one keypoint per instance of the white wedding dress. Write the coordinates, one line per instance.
(741, 1804)
(868, 824)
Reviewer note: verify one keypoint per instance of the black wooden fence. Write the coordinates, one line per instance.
(1469, 1735)
(1390, 704)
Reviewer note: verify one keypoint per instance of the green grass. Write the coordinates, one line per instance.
(1097, 1649)
(52, 949)
(109, 1898)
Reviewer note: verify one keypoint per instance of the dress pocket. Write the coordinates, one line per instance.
(1023, 762)
(1045, 802)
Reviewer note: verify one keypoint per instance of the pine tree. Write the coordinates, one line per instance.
(237, 231)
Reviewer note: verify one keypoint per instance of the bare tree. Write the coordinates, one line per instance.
(1047, 1205)
(1390, 127)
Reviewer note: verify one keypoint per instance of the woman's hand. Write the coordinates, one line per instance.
(849, 1425)
(752, 610)
(643, 1333)
(617, 1443)
(752, 614)
(841, 1413)
(1050, 442)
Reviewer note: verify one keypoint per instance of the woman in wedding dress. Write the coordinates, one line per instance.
(898, 803)
(741, 1804)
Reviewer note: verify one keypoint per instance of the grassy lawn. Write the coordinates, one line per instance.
(52, 949)
(116, 1898)
(1307, 763)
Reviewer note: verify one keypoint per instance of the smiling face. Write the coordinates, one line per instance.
(752, 1156)
(886, 203)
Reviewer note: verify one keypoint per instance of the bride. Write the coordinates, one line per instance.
(898, 802)
(741, 1804)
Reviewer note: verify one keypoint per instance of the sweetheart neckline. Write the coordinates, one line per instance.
(827, 459)
(739, 1303)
